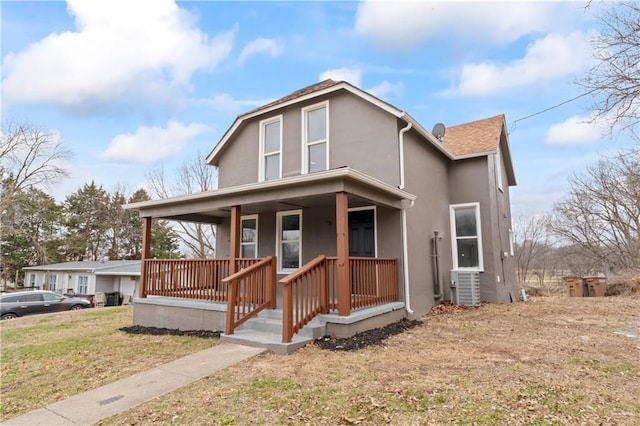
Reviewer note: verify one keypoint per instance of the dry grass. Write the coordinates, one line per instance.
(46, 358)
(554, 360)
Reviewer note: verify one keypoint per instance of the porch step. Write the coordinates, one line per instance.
(265, 331)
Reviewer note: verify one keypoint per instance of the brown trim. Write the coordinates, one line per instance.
(234, 244)
(342, 250)
(146, 253)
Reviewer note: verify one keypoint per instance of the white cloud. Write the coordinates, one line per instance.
(151, 144)
(405, 25)
(386, 88)
(546, 59)
(575, 130)
(119, 48)
(351, 75)
(264, 46)
(226, 103)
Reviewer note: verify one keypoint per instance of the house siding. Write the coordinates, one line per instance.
(361, 136)
(426, 176)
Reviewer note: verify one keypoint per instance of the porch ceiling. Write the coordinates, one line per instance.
(303, 191)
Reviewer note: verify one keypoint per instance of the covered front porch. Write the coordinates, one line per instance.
(326, 279)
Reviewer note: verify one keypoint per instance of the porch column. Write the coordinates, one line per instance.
(234, 244)
(146, 253)
(342, 250)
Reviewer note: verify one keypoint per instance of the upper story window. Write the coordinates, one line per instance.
(271, 149)
(466, 236)
(249, 240)
(315, 138)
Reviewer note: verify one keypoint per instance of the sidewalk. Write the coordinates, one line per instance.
(94, 405)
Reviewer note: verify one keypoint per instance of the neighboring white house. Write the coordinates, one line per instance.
(122, 276)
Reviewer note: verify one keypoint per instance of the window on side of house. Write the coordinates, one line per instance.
(83, 283)
(32, 280)
(270, 149)
(249, 238)
(315, 138)
(289, 240)
(498, 170)
(511, 244)
(52, 280)
(466, 236)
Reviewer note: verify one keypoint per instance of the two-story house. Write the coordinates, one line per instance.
(336, 208)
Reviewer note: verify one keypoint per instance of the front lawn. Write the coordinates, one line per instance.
(46, 358)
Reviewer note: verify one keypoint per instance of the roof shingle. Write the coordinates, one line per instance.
(474, 137)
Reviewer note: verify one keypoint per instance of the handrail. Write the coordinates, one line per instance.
(304, 295)
(249, 291)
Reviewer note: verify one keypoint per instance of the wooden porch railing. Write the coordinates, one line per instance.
(249, 291)
(186, 278)
(189, 278)
(304, 295)
(312, 289)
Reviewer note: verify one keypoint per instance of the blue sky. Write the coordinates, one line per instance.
(133, 85)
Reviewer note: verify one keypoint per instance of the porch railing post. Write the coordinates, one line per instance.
(324, 288)
(146, 253)
(273, 284)
(342, 249)
(232, 297)
(234, 244)
(287, 313)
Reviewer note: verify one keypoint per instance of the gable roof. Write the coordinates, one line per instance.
(476, 137)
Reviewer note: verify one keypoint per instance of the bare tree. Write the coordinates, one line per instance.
(532, 243)
(614, 80)
(193, 176)
(30, 157)
(601, 213)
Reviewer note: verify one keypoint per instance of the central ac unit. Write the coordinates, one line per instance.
(466, 287)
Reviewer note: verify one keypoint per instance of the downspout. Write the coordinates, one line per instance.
(405, 250)
(405, 260)
(401, 151)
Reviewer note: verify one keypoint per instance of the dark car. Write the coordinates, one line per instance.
(13, 305)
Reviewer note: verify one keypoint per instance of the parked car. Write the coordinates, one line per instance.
(13, 305)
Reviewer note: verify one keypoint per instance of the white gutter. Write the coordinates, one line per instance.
(405, 260)
(401, 151)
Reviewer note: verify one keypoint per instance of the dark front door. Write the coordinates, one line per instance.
(362, 237)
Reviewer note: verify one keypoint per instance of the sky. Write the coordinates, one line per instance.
(132, 86)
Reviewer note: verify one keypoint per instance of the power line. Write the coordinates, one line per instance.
(548, 109)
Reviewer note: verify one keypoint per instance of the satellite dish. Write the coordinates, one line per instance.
(438, 131)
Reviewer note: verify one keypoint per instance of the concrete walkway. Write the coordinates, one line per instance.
(91, 406)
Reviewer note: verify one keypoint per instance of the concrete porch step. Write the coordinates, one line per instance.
(267, 340)
(265, 331)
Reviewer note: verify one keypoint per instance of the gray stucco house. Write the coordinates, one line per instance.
(336, 208)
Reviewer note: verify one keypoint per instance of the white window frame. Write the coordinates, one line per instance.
(279, 216)
(511, 243)
(263, 155)
(498, 170)
(454, 238)
(254, 243)
(80, 286)
(375, 223)
(52, 279)
(305, 143)
(32, 280)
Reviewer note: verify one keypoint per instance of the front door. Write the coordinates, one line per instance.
(362, 237)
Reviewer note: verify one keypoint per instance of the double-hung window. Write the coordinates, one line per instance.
(52, 282)
(315, 138)
(466, 236)
(32, 280)
(83, 282)
(271, 149)
(289, 240)
(249, 241)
